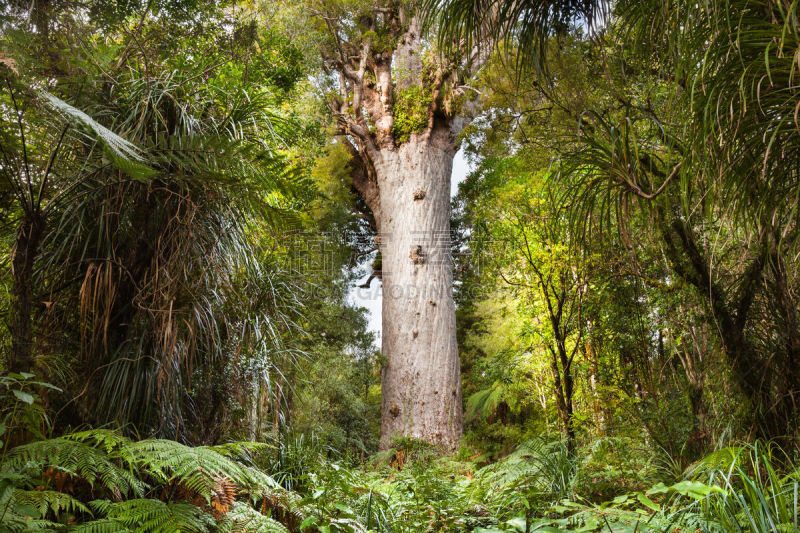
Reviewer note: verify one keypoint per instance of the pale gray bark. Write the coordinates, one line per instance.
(421, 381)
(405, 183)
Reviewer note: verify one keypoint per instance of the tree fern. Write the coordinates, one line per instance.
(484, 403)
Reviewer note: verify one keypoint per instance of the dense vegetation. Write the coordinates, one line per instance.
(190, 190)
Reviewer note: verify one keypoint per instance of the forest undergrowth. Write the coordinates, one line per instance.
(98, 480)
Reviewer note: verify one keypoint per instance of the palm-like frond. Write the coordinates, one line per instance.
(127, 154)
(528, 25)
(733, 65)
(157, 263)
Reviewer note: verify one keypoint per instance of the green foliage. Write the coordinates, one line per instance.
(331, 173)
(99, 480)
(150, 515)
(627, 292)
(759, 489)
(244, 518)
(410, 112)
(465, 24)
(160, 177)
(22, 416)
(485, 403)
(613, 466)
(336, 401)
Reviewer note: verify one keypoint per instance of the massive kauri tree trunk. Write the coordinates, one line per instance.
(421, 385)
(394, 113)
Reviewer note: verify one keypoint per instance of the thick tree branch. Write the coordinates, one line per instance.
(364, 182)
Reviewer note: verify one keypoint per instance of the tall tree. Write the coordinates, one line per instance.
(394, 100)
(527, 243)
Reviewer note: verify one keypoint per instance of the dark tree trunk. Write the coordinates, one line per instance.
(769, 383)
(25, 251)
(563, 385)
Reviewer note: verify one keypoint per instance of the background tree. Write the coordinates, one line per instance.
(528, 247)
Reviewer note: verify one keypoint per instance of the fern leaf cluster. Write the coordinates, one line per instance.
(99, 481)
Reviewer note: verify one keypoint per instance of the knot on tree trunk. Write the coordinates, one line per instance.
(416, 255)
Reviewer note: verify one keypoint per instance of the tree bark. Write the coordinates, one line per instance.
(421, 382)
(402, 174)
(563, 386)
(25, 250)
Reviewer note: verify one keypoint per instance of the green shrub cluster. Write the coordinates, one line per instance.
(410, 112)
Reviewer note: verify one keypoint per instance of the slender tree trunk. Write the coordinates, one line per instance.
(699, 409)
(569, 388)
(563, 385)
(691, 359)
(421, 383)
(598, 413)
(25, 251)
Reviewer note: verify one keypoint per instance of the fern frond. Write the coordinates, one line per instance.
(286, 506)
(106, 439)
(45, 501)
(154, 516)
(243, 452)
(197, 469)
(484, 402)
(538, 465)
(243, 518)
(14, 522)
(76, 459)
(104, 525)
